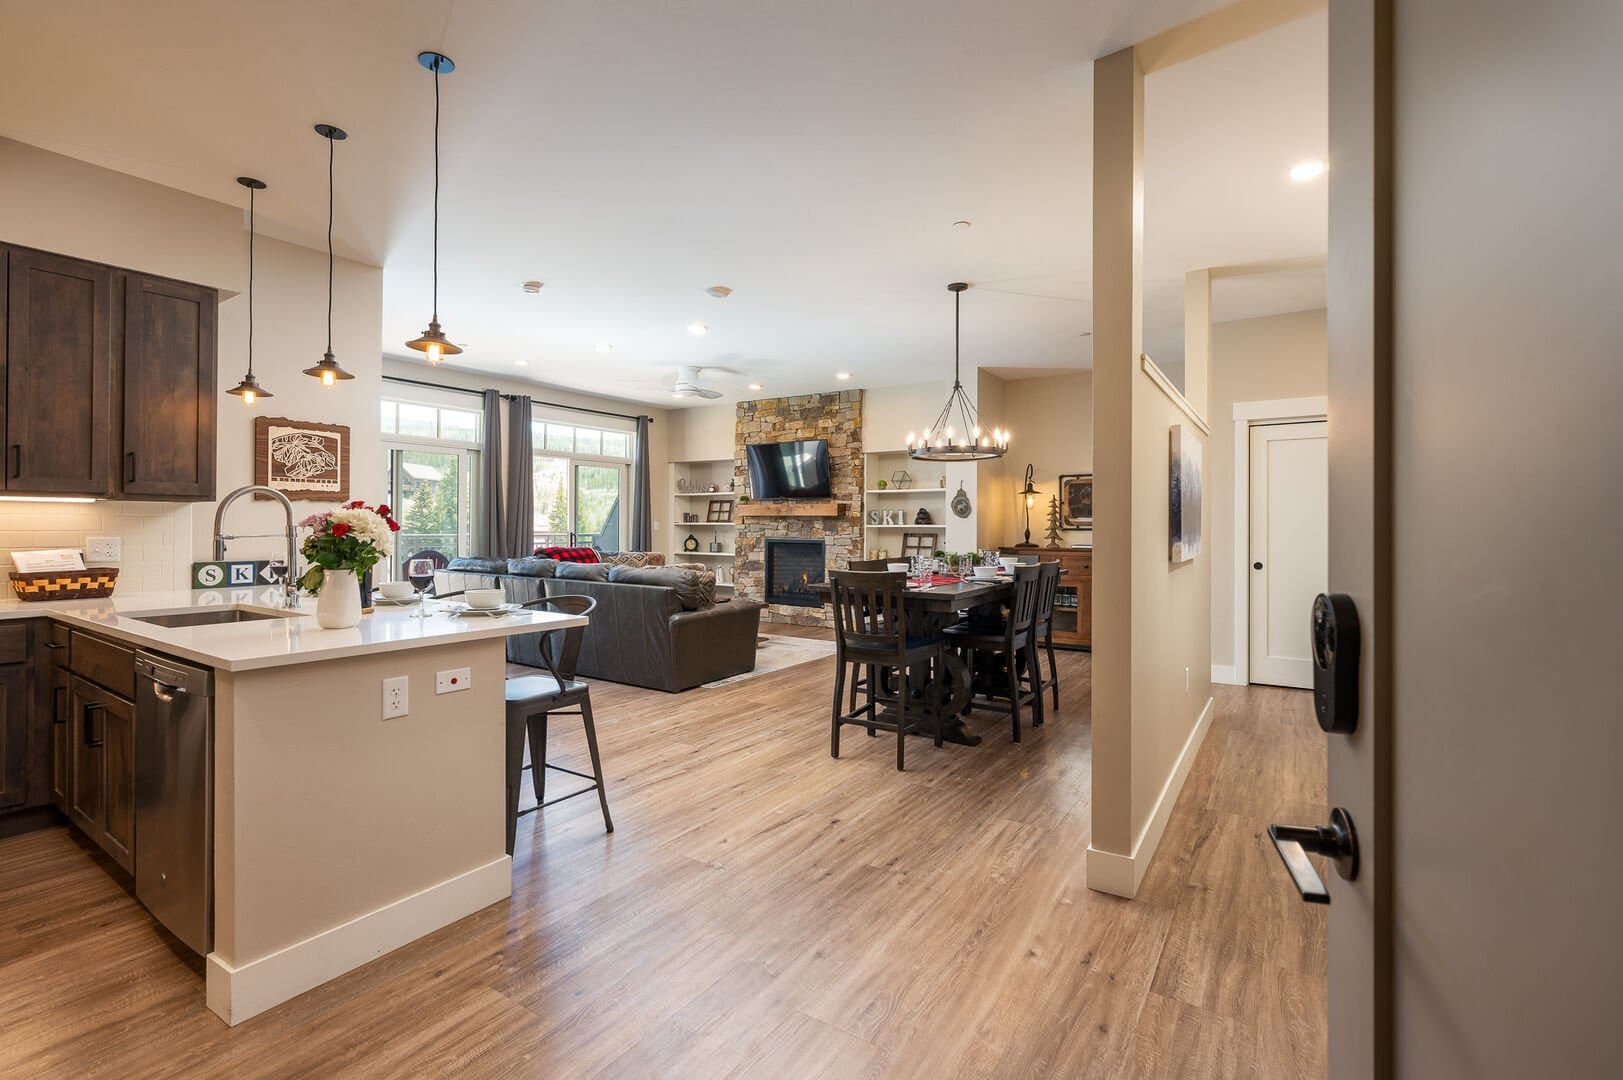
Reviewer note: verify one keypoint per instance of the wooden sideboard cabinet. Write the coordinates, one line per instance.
(1073, 607)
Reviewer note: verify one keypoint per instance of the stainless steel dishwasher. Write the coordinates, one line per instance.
(174, 796)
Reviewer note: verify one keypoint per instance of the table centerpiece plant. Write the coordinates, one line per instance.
(343, 546)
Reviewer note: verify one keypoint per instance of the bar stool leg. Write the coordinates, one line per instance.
(538, 756)
(1035, 663)
(839, 699)
(515, 774)
(1013, 657)
(901, 715)
(597, 764)
(1053, 670)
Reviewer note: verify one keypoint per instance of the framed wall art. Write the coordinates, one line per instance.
(1184, 495)
(720, 510)
(302, 459)
(1076, 500)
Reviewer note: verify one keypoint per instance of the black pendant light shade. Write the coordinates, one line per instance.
(433, 342)
(249, 389)
(940, 441)
(328, 370)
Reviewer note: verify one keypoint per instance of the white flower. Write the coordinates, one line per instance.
(365, 525)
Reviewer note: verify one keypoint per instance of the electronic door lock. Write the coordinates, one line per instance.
(1335, 637)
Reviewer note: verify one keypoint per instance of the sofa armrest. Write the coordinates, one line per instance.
(714, 642)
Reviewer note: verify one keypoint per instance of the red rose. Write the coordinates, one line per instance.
(384, 511)
(341, 529)
(394, 526)
(356, 505)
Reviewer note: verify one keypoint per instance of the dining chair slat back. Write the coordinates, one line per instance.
(870, 612)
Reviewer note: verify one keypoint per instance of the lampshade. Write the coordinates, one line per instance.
(432, 342)
(249, 389)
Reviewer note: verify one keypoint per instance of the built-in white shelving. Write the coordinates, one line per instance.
(717, 473)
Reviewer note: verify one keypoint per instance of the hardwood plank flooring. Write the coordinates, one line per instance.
(762, 910)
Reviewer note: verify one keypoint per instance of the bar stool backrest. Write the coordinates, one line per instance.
(870, 612)
(871, 565)
(1023, 608)
(560, 649)
(1047, 591)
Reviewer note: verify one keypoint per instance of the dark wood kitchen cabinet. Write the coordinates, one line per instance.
(57, 371)
(101, 797)
(14, 717)
(107, 380)
(169, 389)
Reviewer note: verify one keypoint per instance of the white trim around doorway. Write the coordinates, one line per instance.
(1248, 414)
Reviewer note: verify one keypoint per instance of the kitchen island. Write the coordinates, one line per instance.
(337, 835)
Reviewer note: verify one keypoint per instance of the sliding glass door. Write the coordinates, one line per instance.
(431, 492)
(579, 503)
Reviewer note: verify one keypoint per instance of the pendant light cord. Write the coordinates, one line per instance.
(250, 284)
(957, 307)
(330, 148)
(437, 63)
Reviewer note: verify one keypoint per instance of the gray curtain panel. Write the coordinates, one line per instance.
(491, 520)
(520, 533)
(642, 524)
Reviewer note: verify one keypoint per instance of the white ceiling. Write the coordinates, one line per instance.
(810, 156)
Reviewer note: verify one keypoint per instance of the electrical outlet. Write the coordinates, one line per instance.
(449, 682)
(396, 697)
(99, 549)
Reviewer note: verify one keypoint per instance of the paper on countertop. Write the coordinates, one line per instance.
(48, 560)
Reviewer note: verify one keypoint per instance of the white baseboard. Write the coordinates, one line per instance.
(1226, 674)
(237, 993)
(1121, 875)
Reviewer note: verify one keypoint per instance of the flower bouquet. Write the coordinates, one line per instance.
(343, 546)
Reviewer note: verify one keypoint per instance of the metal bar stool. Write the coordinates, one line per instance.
(532, 699)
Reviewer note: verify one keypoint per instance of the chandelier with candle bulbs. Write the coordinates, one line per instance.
(958, 434)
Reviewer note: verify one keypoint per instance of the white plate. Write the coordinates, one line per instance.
(489, 613)
(387, 602)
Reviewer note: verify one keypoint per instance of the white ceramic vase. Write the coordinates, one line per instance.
(338, 604)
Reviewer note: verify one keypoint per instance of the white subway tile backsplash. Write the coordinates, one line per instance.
(157, 537)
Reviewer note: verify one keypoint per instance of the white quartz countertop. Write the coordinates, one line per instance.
(292, 638)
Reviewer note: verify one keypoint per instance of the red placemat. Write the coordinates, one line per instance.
(934, 580)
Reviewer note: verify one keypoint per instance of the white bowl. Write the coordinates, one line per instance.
(396, 590)
(898, 567)
(1008, 562)
(985, 573)
(484, 599)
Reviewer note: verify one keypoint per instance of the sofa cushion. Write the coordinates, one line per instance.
(580, 571)
(568, 554)
(707, 580)
(478, 566)
(532, 566)
(633, 558)
(685, 583)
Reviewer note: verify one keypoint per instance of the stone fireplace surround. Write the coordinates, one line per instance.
(836, 417)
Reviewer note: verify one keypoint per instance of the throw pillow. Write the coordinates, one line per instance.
(635, 558)
(707, 580)
(568, 554)
(579, 571)
(685, 583)
(532, 567)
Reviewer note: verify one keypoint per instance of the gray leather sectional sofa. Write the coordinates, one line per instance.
(653, 626)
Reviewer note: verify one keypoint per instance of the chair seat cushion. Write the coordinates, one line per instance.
(539, 689)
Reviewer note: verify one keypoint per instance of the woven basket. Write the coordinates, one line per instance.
(88, 584)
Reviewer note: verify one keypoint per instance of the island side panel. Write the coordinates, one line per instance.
(340, 835)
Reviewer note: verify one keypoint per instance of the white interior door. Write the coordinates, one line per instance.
(1290, 547)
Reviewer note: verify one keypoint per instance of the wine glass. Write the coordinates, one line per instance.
(420, 572)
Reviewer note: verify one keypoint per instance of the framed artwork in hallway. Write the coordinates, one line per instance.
(1076, 500)
(1184, 508)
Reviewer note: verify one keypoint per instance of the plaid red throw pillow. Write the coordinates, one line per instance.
(568, 554)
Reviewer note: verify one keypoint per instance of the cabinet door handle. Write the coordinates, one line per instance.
(90, 737)
(59, 715)
(129, 467)
(15, 452)
(55, 645)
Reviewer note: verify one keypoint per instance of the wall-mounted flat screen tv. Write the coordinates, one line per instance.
(790, 470)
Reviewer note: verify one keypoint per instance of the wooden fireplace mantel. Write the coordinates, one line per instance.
(792, 508)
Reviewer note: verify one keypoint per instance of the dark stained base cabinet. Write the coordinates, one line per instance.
(107, 380)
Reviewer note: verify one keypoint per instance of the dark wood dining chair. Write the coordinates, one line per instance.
(870, 631)
(533, 699)
(1047, 595)
(1015, 640)
(859, 684)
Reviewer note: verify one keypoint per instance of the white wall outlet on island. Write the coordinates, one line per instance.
(396, 697)
(449, 682)
(100, 549)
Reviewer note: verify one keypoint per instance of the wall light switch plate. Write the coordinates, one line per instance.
(396, 697)
(100, 549)
(449, 682)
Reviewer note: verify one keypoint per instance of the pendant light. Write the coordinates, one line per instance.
(432, 342)
(328, 370)
(249, 389)
(937, 442)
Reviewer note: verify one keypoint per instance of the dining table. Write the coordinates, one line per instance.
(936, 602)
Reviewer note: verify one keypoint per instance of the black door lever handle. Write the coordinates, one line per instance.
(1338, 840)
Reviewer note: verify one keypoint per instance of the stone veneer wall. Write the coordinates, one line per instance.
(836, 417)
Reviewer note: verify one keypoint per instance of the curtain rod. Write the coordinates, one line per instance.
(509, 397)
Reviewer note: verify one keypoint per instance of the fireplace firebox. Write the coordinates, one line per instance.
(792, 568)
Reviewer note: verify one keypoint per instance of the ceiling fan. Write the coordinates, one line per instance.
(690, 383)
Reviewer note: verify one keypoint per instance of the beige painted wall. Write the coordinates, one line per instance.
(59, 204)
(701, 434)
(1282, 356)
(1052, 423)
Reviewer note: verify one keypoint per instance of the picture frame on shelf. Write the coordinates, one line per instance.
(918, 544)
(721, 510)
(1076, 500)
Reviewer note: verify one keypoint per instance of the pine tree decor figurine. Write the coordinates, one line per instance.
(1053, 523)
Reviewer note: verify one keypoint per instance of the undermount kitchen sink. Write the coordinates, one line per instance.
(213, 617)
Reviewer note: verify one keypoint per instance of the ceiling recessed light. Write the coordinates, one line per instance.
(842, 375)
(603, 346)
(756, 386)
(1304, 171)
(963, 223)
(521, 363)
(720, 292)
(697, 328)
(532, 286)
